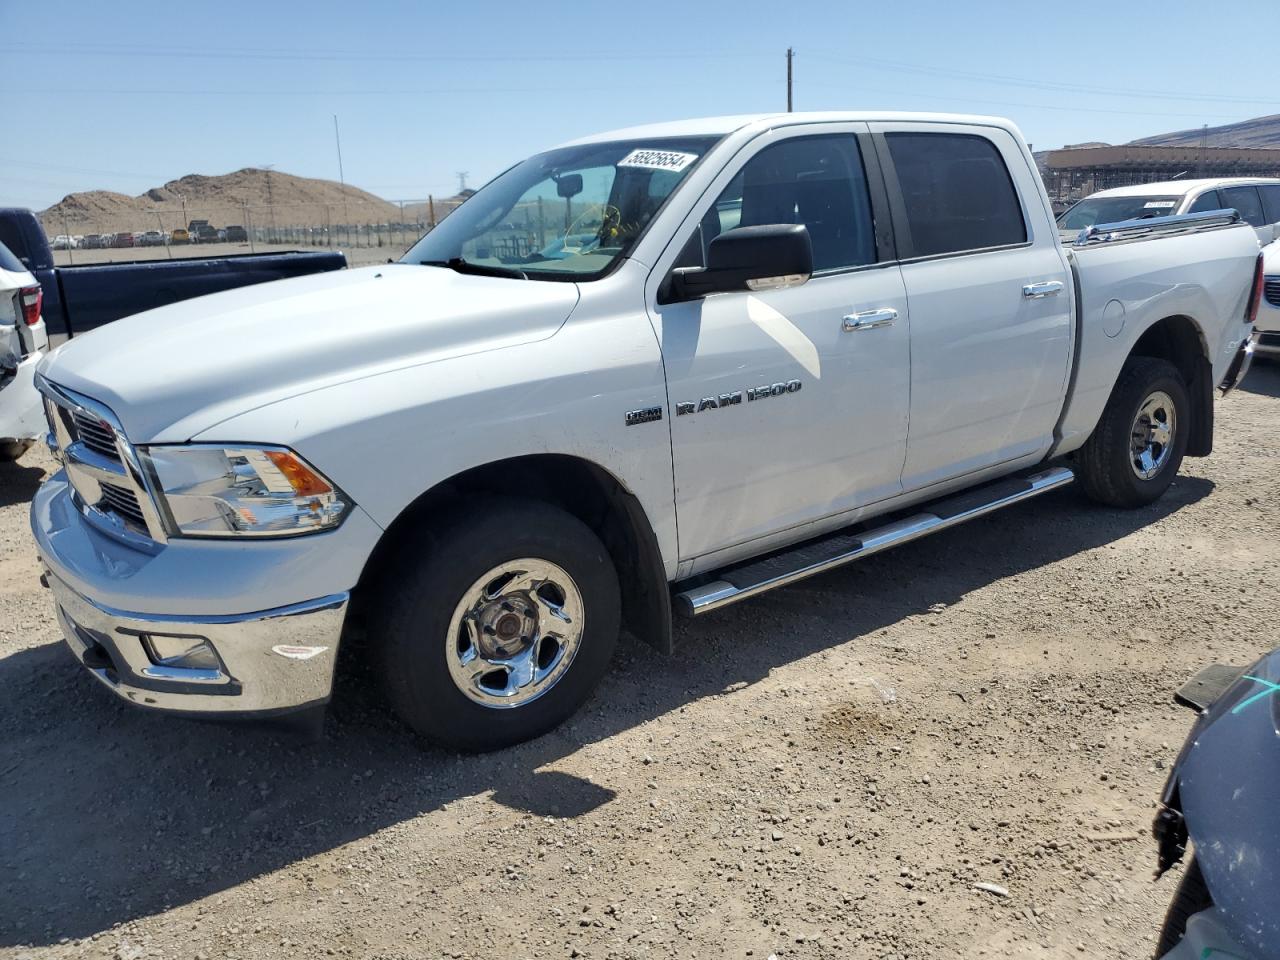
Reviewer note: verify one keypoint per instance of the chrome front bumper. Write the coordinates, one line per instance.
(268, 662)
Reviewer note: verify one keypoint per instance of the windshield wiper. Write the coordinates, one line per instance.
(459, 265)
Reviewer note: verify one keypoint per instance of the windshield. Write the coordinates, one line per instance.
(1093, 210)
(567, 214)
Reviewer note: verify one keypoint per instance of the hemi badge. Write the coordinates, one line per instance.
(645, 415)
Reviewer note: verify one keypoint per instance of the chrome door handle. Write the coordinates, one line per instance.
(1037, 291)
(868, 319)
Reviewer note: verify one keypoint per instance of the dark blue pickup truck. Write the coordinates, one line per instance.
(80, 298)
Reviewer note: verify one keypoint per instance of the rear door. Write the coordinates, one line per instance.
(989, 295)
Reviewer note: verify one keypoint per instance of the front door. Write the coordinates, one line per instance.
(788, 405)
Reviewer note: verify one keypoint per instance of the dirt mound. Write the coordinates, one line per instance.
(251, 196)
(1248, 134)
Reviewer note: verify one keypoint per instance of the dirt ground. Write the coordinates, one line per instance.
(824, 772)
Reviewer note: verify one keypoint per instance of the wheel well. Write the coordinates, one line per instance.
(581, 488)
(1178, 340)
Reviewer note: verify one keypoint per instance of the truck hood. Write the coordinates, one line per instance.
(172, 372)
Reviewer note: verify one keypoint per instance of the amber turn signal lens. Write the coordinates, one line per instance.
(305, 482)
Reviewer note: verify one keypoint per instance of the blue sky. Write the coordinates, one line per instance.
(126, 95)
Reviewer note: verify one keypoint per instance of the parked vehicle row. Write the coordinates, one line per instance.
(199, 232)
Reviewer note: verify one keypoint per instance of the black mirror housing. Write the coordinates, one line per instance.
(569, 185)
(765, 257)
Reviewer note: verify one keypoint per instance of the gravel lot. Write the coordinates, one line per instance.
(824, 772)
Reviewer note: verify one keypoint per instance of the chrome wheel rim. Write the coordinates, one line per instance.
(1151, 439)
(514, 633)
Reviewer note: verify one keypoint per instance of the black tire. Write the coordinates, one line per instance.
(13, 449)
(1104, 466)
(1191, 897)
(411, 625)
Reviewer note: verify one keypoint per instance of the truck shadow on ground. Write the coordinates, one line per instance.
(1263, 378)
(108, 814)
(18, 483)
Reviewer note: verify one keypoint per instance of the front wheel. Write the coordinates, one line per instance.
(500, 623)
(1138, 444)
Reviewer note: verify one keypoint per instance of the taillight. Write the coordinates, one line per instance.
(1255, 296)
(31, 298)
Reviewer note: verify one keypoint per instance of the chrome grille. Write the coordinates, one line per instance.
(106, 476)
(1272, 291)
(122, 501)
(95, 434)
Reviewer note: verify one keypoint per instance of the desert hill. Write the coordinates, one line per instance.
(248, 196)
(1258, 132)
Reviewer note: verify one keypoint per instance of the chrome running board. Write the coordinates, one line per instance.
(743, 580)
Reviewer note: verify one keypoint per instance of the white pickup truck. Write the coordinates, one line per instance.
(667, 367)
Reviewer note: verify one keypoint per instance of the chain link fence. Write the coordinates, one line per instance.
(367, 231)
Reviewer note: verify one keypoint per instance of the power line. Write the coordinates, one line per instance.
(860, 89)
(115, 50)
(895, 65)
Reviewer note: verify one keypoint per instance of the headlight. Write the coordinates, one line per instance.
(242, 491)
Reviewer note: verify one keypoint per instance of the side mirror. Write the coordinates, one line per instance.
(766, 257)
(569, 185)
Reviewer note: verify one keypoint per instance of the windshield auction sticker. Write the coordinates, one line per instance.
(657, 159)
(1159, 204)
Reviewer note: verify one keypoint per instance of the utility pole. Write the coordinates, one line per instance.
(1204, 142)
(342, 180)
(790, 55)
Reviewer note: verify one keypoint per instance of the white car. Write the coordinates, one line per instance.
(1256, 199)
(63, 242)
(674, 366)
(23, 342)
(1268, 321)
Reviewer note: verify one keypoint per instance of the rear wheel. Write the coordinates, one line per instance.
(500, 623)
(1138, 444)
(1191, 897)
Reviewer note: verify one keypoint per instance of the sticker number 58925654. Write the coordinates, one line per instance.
(657, 159)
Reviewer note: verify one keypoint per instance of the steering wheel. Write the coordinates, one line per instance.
(611, 217)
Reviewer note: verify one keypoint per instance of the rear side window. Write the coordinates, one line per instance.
(11, 237)
(958, 193)
(1245, 202)
(818, 181)
(1270, 202)
(1206, 202)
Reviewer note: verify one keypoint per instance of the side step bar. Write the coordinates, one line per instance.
(817, 556)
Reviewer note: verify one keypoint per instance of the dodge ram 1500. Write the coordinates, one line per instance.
(667, 367)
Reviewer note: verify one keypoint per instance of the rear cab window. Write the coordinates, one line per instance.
(957, 194)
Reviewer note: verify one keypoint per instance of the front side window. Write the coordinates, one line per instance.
(1206, 202)
(1244, 200)
(957, 192)
(568, 214)
(817, 181)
